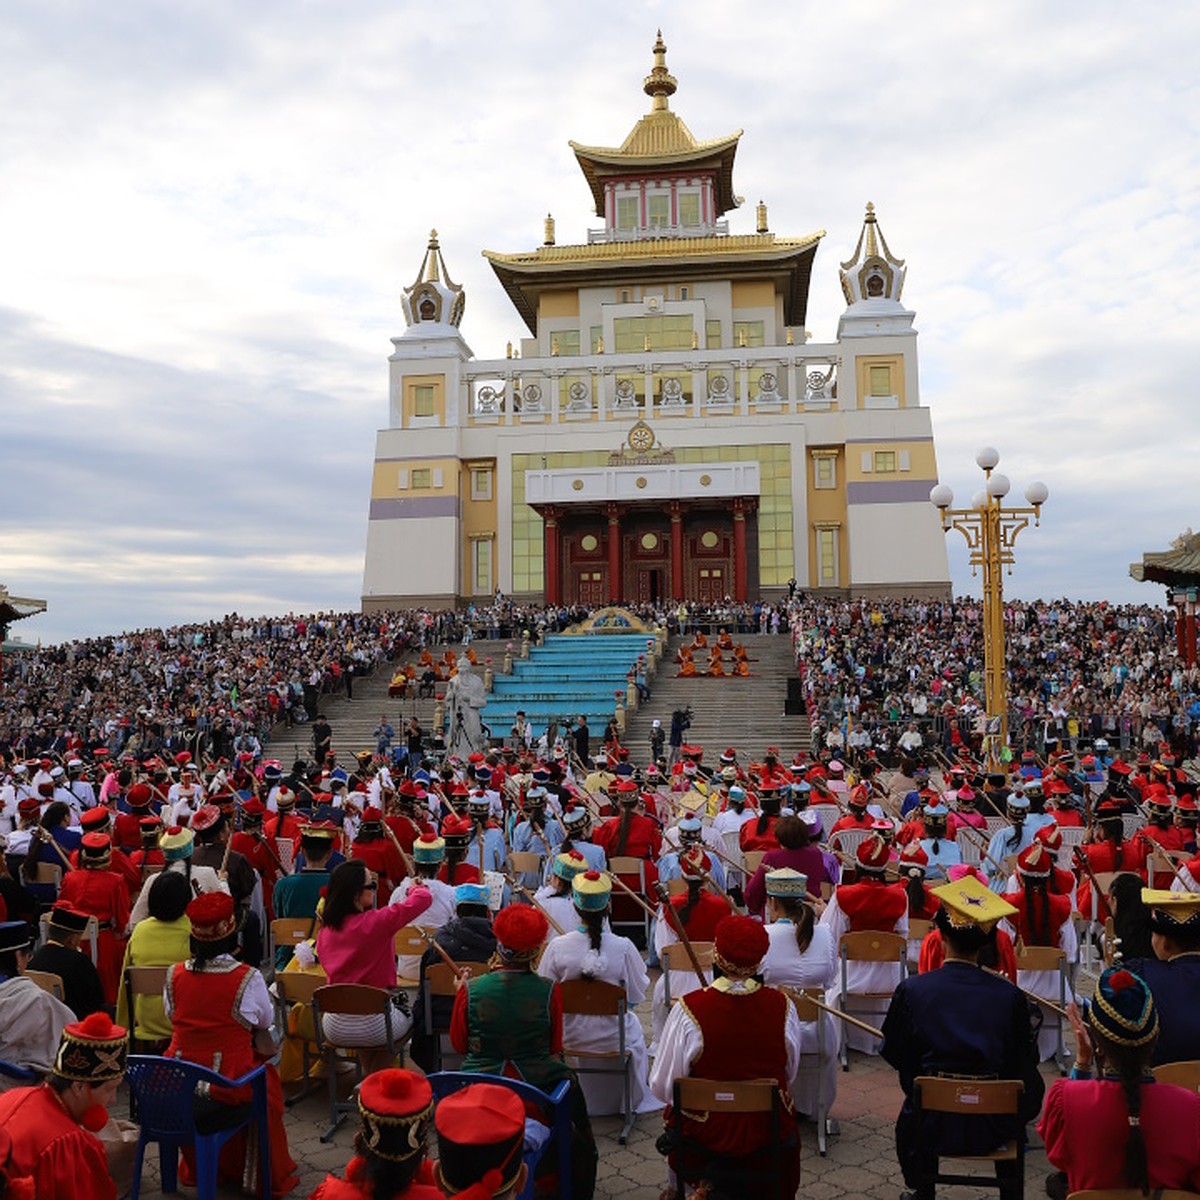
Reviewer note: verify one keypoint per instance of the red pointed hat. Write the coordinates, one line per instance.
(913, 855)
(873, 853)
(740, 945)
(1034, 861)
(1050, 836)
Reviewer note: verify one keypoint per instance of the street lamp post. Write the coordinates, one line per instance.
(991, 533)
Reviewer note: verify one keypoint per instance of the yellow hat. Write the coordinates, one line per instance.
(693, 802)
(591, 891)
(1171, 910)
(969, 902)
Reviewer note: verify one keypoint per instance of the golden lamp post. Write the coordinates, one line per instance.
(991, 532)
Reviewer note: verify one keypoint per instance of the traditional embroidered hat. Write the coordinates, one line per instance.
(323, 830)
(1122, 1010)
(859, 796)
(95, 819)
(481, 1134)
(15, 935)
(785, 881)
(1035, 861)
(95, 850)
(936, 811)
(285, 798)
(92, 1050)
(177, 843)
(457, 830)
(1171, 912)
(252, 811)
(690, 830)
(1120, 767)
(968, 902)
(29, 806)
(395, 1107)
(520, 929)
(872, 854)
(1018, 804)
(591, 891)
(965, 871)
(535, 797)
(213, 916)
(575, 816)
(63, 916)
(739, 945)
(472, 893)
(372, 815)
(1050, 836)
(569, 864)
(429, 848)
(691, 863)
(206, 818)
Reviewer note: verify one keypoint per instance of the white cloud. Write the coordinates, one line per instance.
(209, 212)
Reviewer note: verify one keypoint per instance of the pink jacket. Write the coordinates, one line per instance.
(362, 951)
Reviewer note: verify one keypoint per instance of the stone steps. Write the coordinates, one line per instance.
(744, 713)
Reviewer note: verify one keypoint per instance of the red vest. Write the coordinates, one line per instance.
(701, 925)
(209, 1030)
(1060, 911)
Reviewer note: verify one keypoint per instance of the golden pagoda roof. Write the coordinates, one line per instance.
(1178, 567)
(761, 255)
(660, 139)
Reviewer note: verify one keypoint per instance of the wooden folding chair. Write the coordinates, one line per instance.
(143, 981)
(1049, 958)
(751, 861)
(290, 932)
(526, 862)
(627, 867)
(918, 930)
(410, 943)
(350, 1000)
(299, 987)
(675, 958)
(868, 945)
(595, 998)
(806, 1010)
(1181, 1074)
(975, 1098)
(48, 982)
(694, 1162)
(439, 981)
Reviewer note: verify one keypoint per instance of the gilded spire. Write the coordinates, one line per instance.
(869, 224)
(873, 272)
(434, 296)
(660, 83)
(432, 254)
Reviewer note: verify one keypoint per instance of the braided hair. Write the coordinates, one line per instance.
(1037, 911)
(693, 899)
(1129, 1064)
(593, 926)
(801, 916)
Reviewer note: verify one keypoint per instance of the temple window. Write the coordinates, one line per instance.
(483, 566)
(422, 477)
(885, 461)
(658, 211)
(748, 333)
(627, 212)
(689, 208)
(712, 335)
(880, 380)
(824, 471)
(423, 401)
(481, 483)
(568, 342)
(663, 333)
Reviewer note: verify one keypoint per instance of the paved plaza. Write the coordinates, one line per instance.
(861, 1160)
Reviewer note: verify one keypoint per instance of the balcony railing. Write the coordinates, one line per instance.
(641, 234)
(774, 379)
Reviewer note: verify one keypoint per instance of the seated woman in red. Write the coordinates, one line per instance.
(1122, 1130)
(222, 1015)
(389, 1160)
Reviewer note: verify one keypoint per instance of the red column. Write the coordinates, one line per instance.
(676, 510)
(739, 551)
(614, 554)
(553, 556)
(1190, 657)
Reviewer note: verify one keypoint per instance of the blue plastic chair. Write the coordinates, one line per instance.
(558, 1102)
(165, 1089)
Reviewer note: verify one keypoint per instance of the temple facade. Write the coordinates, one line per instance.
(668, 430)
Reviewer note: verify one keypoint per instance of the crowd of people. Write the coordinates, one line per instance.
(719, 887)
(889, 674)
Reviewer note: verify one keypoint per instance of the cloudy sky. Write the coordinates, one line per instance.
(207, 213)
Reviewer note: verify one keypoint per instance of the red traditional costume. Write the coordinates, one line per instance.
(101, 893)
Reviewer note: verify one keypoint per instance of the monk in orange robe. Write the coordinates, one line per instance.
(716, 667)
(687, 668)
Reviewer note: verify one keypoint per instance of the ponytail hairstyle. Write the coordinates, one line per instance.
(1037, 911)
(1130, 1064)
(915, 890)
(623, 830)
(593, 926)
(693, 898)
(800, 913)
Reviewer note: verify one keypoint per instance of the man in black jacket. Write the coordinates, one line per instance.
(963, 1022)
(62, 956)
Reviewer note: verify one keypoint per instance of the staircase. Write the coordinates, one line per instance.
(744, 713)
(567, 676)
(353, 720)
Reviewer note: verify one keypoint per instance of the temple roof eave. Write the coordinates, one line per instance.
(1178, 567)
(599, 162)
(523, 275)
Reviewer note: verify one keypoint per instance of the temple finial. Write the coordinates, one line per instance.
(660, 83)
